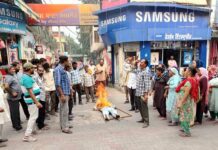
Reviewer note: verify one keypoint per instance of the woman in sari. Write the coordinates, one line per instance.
(203, 84)
(173, 82)
(213, 100)
(187, 92)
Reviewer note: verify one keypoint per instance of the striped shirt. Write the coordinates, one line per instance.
(143, 83)
(27, 82)
(75, 77)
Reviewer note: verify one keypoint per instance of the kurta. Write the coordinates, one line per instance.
(213, 96)
(159, 100)
(4, 117)
(203, 83)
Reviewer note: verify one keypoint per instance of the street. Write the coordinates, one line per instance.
(91, 132)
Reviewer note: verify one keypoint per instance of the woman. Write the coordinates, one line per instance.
(159, 85)
(187, 92)
(213, 100)
(203, 84)
(212, 70)
(173, 82)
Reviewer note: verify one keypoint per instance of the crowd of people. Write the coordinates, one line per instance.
(180, 98)
(42, 90)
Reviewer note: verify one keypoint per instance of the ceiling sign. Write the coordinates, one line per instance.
(65, 14)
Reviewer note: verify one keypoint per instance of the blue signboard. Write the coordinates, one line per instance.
(153, 23)
(12, 19)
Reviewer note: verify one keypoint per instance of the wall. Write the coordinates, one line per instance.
(95, 46)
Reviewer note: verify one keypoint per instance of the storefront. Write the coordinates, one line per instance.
(160, 30)
(12, 26)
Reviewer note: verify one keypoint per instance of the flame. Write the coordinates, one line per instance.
(102, 97)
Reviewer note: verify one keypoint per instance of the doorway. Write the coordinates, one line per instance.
(171, 52)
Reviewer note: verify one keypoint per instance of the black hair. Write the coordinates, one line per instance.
(193, 71)
(41, 60)
(199, 63)
(63, 59)
(160, 69)
(35, 61)
(46, 66)
(74, 63)
(14, 64)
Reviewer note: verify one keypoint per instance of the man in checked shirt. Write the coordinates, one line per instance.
(143, 87)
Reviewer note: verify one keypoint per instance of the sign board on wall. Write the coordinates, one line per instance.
(131, 47)
(12, 19)
(194, 2)
(66, 14)
(112, 3)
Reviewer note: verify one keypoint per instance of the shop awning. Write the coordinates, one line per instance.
(27, 10)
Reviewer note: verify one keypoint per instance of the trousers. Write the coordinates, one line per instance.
(25, 107)
(89, 92)
(41, 117)
(77, 89)
(33, 110)
(50, 102)
(132, 98)
(64, 110)
(14, 107)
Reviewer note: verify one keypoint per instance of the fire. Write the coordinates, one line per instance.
(102, 97)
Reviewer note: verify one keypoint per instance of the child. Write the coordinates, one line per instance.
(88, 82)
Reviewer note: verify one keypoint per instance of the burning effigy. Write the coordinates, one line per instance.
(103, 105)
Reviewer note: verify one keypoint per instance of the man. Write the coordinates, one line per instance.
(88, 83)
(14, 91)
(31, 93)
(42, 111)
(101, 73)
(126, 70)
(143, 85)
(62, 84)
(18, 74)
(172, 62)
(76, 82)
(92, 67)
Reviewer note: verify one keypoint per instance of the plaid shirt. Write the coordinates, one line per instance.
(143, 83)
(75, 77)
(88, 80)
(61, 79)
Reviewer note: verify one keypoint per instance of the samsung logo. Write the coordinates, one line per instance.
(165, 16)
(114, 20)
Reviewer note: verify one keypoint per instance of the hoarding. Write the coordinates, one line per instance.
(111, 3)
(66, 14)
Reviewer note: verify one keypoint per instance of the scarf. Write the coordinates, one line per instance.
(175, 79)
(204, 72)
(194, 89)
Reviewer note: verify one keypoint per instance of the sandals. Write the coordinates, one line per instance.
(185, 134)
(67, 131)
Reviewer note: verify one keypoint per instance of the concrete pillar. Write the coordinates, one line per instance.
(203, 52)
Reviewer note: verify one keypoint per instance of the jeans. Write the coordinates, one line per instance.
(33, 110)
(64, 110)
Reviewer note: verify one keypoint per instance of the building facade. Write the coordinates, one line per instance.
(155, 31)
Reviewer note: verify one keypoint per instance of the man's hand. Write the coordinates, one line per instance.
(39, 105)
(14, 94)
(145, 97)
(1, 109)
(63, 99)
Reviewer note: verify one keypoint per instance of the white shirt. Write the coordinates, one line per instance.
(132, 80)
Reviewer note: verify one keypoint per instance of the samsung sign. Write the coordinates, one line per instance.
(165, 16)
(153, 24)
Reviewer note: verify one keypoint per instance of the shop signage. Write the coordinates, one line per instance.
(112, 3)
(153, 24)
(66, 14)
(12, 19)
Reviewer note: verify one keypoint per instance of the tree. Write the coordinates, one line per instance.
(71, 46)
(84, 32)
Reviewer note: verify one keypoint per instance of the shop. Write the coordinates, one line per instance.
(158, 30)
(12, 26)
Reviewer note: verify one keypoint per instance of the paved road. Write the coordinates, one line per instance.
(92, 133)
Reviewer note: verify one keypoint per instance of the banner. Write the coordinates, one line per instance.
(194, 2)
(12, 19)
(112, 3)
(66, 14)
